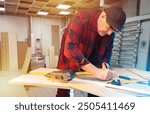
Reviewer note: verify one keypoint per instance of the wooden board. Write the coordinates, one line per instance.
(25, 66)
(43, 71)
(22, 50)
(55, 38)
(4, 51)
(56, 61)
(13, 53)
(37, 80)
(9, 57)
(0, 53)
(143, 74)
(52, 56)
(95, 86)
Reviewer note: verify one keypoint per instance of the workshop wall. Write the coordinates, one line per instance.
(144, 46)
(18, 25)
(40, 28)
(144, 7)
(129, 6)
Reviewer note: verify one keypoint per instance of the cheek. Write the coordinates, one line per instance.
(100, 27)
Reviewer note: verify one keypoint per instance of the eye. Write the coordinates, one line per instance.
(102, 17)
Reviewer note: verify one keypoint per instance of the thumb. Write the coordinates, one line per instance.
(103, 66)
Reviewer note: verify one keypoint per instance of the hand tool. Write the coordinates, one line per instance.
(61, 76)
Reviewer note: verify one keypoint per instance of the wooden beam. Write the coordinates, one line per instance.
(25, 66)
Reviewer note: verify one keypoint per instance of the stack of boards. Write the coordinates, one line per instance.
(8, 51)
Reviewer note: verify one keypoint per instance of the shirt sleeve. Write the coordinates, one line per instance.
(73, 38)
(108, 52)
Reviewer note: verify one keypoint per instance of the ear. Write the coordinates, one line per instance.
(102, 15)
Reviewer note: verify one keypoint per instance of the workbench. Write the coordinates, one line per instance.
(90, 84)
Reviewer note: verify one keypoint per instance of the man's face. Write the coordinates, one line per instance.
(102, 26)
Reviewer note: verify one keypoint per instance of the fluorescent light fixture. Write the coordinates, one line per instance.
(2, 0)
(63, 6)
(42, 13)
(2, 9)
(102, 3)
(64, 12)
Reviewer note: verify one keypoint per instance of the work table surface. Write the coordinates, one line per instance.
(89, 83)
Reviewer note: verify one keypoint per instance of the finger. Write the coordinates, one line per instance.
(111, 73)
(103, 66)
(109, 76)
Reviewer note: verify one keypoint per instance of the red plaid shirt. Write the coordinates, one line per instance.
(79, 41)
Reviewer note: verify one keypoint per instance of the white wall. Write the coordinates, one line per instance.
(41, 28)
(144, 7)
(130, 7)
(144, 46)
(14, 24)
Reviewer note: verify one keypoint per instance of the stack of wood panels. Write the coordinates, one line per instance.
(9, 57)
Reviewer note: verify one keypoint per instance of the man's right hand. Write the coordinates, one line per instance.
(104, 74)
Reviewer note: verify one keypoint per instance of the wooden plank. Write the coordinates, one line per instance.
(0, 53)
(94, 85)
(22, 50)
(36, 80)
(52, 56)
(142, 74)
(9, 58)
(43, 71)
(56, 61)
(25, 66)
(13, 53)
(4, 51)
(55, 38)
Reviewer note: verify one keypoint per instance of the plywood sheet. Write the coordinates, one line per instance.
(55, 38)
(9, 57)
(13, 53)
(4, 51)
(95, 86)
(22, 50)
(25, 66)
(52, 56)
(0, 54)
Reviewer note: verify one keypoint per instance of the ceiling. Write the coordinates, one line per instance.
(31, 7)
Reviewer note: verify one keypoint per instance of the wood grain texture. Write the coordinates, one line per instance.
(13, 53)
(25, 66)
(52, 56)
(22, 50)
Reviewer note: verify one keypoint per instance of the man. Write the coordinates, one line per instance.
(88, 41)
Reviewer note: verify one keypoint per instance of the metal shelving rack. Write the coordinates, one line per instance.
(124, 53)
